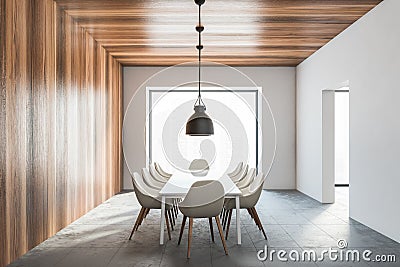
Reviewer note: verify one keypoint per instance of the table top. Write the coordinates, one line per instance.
(179, 184)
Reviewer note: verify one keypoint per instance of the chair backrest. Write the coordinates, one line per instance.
(247, 180)
(205, 199)
(161, 171)
(257, 183)
(150, 181)
(146, 196)
(236, 170)
(199, 167)
(241, 174)
(139, 183)
(158, 177)
(250, 200)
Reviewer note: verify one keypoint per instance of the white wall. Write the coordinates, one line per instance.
(278, 86)
(368, 55)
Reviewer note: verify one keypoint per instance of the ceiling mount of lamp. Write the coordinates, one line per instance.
(199, 124)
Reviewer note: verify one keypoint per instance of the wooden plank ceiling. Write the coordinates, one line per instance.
(247, 32)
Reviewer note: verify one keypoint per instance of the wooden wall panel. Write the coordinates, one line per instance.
(3, 230)
(60, 121)
(61, 141)
(18, 127)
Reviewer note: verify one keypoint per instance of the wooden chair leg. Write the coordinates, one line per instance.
(211, 229)
(259, 222)
(229, 223)
(170, 220)
(190, 236)
(173, 216)
(167, 223)
(223, 219)
(251, 214)
(176, 208)
(254, 217)
(173, 207)
(221, 234)
(182, 228)
(136, 222)
(147, 212)
(142, 218)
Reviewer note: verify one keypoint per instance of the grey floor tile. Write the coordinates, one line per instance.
(358, 235)
(137, 256)
(89, 236)
(277, 237)
(290, 218)
(321, 217)
(86, 257)
(309, 236)
(177, 256)
(109, 216)
(238, 256)
(41, 257)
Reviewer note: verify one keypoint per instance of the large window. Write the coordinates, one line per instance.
(235, 114)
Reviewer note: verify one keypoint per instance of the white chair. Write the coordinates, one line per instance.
(161, 171)
(199, 167)
(236, 170)
(242, 173)
(156, 175)
(241, 184)
(246, 181)
(151, 181)
(248, 200)
(204, 200)
(149, 199)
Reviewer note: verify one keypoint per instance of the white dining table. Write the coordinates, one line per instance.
(178, 186)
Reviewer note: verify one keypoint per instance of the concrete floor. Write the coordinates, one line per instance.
(292, 221)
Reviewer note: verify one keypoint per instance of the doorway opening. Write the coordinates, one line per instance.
(342, 148)
(342, 137)
(335, 142)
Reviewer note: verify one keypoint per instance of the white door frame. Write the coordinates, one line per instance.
(328, 142)
(328, 146)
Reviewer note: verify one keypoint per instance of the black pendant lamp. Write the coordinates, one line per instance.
(199, 124)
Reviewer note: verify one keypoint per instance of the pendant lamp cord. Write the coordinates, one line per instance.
(199, 48)
(199, 29)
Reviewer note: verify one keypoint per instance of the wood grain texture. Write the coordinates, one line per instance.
(3, 141)
(247, 32)
(60, 113)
